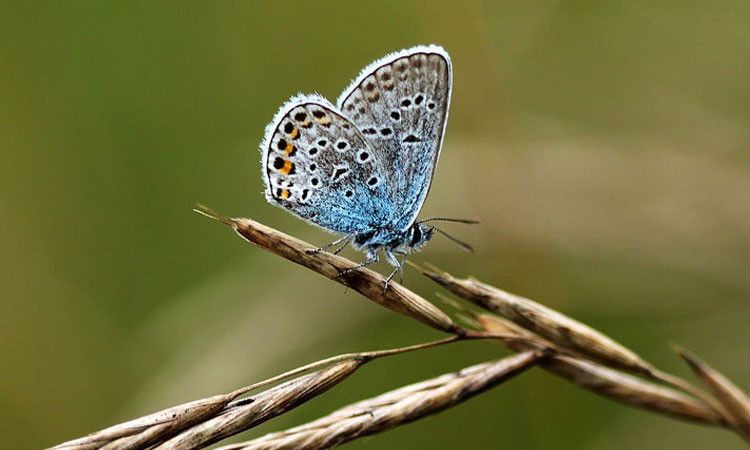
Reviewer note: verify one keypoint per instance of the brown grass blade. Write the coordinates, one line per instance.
(394, 408)
(563, 348)
(734, 400)
(631, 390)
(174, 418)
(163, 425)
(558, 328)
(610, 383)
(367, 282)
(241, 416)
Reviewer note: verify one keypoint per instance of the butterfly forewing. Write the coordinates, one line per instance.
(317, 165)
(400, 103)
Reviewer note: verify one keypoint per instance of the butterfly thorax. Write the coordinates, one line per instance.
(397, 241)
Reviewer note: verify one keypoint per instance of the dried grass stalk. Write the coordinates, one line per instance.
(223, 414)
(174, 418)
(563, 331)
(264, 406)
(736, 403)
(558, 328)
(365, 281)
(560, 344)
(394, 408)
(631, 390)
(607, 382)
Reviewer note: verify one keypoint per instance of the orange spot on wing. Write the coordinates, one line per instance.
(285, 194)
(294, 133)
(288, 166)
(289, 149)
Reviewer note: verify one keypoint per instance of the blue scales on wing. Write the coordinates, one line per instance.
(318, 165)
(400, 103)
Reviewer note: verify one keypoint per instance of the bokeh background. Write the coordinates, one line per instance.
(604, 146)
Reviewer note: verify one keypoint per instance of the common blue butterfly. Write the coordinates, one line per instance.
(363, 168)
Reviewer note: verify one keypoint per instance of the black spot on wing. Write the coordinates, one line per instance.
(340, 172)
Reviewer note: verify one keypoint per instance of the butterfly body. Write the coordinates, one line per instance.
(363, 168)
(395, 242)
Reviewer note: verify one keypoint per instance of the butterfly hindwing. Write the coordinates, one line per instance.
(400, 103)
(317, 165)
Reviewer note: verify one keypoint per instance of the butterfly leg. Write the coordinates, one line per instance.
(346, 239)
(398, 268)
(401, 270)
(399, 264)
(372, 258)
(346, 244)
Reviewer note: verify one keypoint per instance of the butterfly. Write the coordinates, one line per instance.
(363, 167)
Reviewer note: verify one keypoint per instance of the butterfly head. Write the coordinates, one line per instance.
(419, 234)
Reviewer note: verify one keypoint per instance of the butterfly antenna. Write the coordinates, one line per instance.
(449, 219)
(461, 243)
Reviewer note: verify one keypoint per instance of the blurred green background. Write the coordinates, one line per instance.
(604, 146)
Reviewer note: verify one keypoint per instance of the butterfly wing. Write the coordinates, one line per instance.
(317, 165)
(400, 103)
